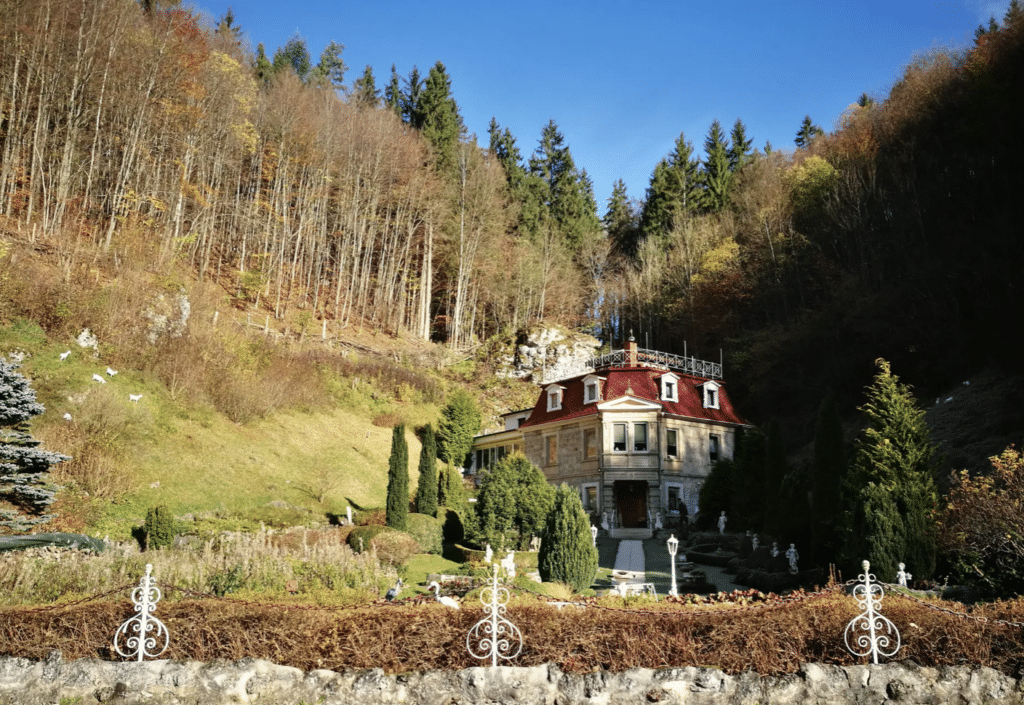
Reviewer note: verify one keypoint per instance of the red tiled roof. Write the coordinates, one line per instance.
(639, 382)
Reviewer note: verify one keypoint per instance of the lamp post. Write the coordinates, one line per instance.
(673, 546)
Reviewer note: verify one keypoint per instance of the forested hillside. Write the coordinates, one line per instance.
(138, 145)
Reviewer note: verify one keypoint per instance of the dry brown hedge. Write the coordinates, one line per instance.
(424, 636)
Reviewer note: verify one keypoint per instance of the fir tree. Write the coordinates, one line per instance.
(426, 489)
(739, 147)
(503, 146)
(808, 131)
(397, 508)
(159, 528)
(894, 463)
(460, 421)
(828, 474)
(437, 115)
(293, 55)
(620, 221)
(364, 90)
(567, 552)
(330, 70)
(674, 192)
(450, 490)
(262, 68)
(411, 98)
(23, 465)
(716, 176)
(393, 93)
(1014, 14)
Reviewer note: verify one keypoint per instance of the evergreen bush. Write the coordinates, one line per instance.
(567, 553)
(159, 527)
(426, 488)
(398, 480)
(361, 537)
(513, 504)
(452, 528)
(460, 421)
(427, 532)
(394, 547)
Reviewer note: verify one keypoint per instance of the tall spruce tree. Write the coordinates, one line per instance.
(620, 221)
(892, 483)
(364, 90)
(675, 191)
(295, 56)
(460, 420)
(397, 508)
(23, 464)
(393, 93)
(739, 147)
(567, 552)
(437, 115)
(411, 98)
(807, 132)
(828, 475)
(426, 488)
(717, 177)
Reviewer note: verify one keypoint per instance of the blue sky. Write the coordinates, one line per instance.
(623, 80)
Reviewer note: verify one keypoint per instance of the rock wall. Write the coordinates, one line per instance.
(544, 354)
(25, 682)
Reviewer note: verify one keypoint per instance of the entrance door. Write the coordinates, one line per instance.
(631, 501)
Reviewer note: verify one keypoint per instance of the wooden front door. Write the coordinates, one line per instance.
(631, 501)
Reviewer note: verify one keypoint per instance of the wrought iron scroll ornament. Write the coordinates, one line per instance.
(870, 633)
(143, 644)
(494, 636)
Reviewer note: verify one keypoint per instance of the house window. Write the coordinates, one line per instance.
(673, 499)
(554, 399)
(551, 449)
(591, 393)
(710, 396)
(590, 497)
(669, 388)
(640, 438)
(589, 443)
(672, 443)
(713, 447)
(619, 437)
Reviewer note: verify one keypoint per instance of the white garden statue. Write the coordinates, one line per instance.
(754, 541)
(721, 523)
(775, 549)
(658, 525)
(902, 576)
(488, 554)
(793, 557)
(508, 564)
(604, 521)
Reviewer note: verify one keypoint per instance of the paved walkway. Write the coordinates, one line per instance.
(630, 560)
(648, 562)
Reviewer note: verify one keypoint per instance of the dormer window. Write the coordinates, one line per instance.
(554, 395)
(710, 395)
(591, 389)
(669, 387)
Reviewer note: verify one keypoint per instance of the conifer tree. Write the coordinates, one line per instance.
(295, 56)
(411, 98)
(513, 503)
(330, 70)
(437, 115)
(748, 481)
(262, 68)
(364, 90)
(892, 486)
(739, 147)
(674, 192)
(23, 465)
(460, 421)
(503, 146)
(620, 221)
(808, 131)
(567, 552)
(426, 488)
(393, 93)
(1014, 14)
(829, 473)
(717, 177)
(450, 490)
(397, 508)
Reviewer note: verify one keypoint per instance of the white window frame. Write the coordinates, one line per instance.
(625, 437)
(669, 454)
(554, 397)
(669, 387)
(711, 395)
(647, 437)
(714, 447)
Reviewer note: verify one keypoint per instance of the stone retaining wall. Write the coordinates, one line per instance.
(24, 682)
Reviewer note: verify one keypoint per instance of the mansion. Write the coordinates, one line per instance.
(637, 435)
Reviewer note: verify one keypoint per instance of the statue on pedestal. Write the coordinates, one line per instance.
(721, 523)
(793, 556)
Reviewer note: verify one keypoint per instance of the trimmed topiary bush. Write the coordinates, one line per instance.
(394, 547)
(159, 527)
(361, 537)
(427, 532)
(452, 527)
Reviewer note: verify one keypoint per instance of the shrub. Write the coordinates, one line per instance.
(371, 517)
(361, 537)
(567, 554)
(394, 547)
(159, 527)
(427, 532)
(452, 527)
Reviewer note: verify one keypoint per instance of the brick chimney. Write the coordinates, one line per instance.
(631, 356)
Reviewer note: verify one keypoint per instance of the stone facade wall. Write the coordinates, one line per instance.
(25, 682)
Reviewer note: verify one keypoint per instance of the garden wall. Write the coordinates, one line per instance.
(26, 682)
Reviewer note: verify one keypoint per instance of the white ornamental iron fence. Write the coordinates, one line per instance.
(142, 643)
(494, 636)
(870, 633)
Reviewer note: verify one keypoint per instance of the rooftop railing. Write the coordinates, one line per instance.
(676, 363)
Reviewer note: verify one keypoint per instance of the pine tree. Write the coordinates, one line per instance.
(503, 147)
(567, 552)
(621, 222)
(426, 489)
(397, 508)
(330, 70)
(829, 472)
(293, 55)
(23, 465)
(1014, 14)
(262, 68)
(895, 462)
(808, 131)
(411, 98)
(717, 178)
(460, 421)
(364, 90)
(437, 115)
(739, 147)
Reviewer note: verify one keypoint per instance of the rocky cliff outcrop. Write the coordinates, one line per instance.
(546, 353)
(177, 682)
